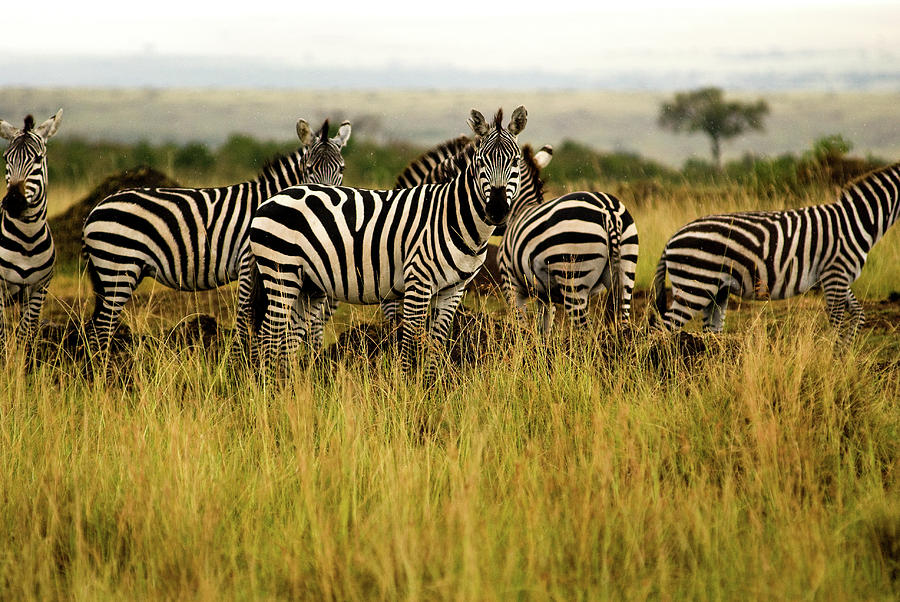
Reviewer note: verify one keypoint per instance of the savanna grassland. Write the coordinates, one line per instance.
(761, 463)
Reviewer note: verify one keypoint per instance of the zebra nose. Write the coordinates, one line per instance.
(497, 205)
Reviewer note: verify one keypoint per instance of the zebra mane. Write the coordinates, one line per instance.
(498, 119)
(531, 165)
(867, 175)
(29, 123)
(428, 161)
(272, 166)
(450, 167)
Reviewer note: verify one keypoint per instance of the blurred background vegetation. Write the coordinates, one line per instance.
(376, 164)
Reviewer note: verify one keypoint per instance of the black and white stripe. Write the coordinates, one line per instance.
(778, 254)
(565, 250)
(314, 243)
(27, 254)
(190, 238)
(422, 169)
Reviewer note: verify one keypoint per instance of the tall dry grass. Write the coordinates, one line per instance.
(762, 467)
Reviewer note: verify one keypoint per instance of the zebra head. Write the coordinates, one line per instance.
(324, 163)
(26, 165)
(496, 162)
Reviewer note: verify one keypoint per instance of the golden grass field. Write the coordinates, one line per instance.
(762, 463)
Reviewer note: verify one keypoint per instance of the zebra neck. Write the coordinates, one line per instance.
(873, 202)
(465, 218)
(278, 174)
(522, 203)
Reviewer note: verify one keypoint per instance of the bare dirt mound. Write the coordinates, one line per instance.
(67, 227)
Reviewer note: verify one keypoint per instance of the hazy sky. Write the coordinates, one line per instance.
(555, 35)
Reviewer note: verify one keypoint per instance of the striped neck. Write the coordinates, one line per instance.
(280, 173)
(874, 201)
(531, 187)
(466, 220)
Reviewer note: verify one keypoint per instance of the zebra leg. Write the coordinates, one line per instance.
(546, 312)
(3, 296)
(282, 289)
(857, 315)
(110, 297)
(837, 292)
(446, 304)
(714, 314)
(247, 280)
(391, 312)
(28, 325)
(679, 312)
(308, 322)
(576, 305)
(412, 331)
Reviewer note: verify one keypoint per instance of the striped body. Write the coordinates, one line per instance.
(27, 254)
(779, 254)
(313, 244)
(567, 250)
(188, 238)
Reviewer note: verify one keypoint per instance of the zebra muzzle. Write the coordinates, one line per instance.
(15, 203)
(497, 206)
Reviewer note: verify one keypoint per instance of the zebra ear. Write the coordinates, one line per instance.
(517, 123)
(48, 129)
(542, 157)
(8, 130)
(303, 132)
(478, 124)
(343, 134)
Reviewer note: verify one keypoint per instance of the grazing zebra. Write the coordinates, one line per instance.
(27, 254)
(313, 243)
(560, 251)
(778, 254)
(567, 250)
(190, 238)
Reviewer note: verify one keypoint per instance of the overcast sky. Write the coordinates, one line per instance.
(559, 36)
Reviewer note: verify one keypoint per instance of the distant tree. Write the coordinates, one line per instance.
(705, 110)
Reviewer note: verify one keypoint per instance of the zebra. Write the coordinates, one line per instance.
(27, 254)
(777, 254)
(442, 164)
(313, 244)
(563, 250)
(423, 168)
(567, 250)
(190, 238)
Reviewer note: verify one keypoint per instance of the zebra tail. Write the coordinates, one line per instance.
(96, 285)
(616, 297)
(258, 305)
(659, 292)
